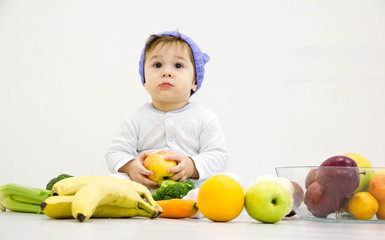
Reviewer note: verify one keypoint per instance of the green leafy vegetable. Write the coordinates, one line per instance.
(22, 198)
(170, 189)
(56, 179)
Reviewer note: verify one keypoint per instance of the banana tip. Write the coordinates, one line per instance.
(80, 217)
(43, 205)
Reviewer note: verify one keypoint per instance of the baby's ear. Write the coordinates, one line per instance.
(194, 87)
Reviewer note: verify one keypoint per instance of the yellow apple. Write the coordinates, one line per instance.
(157, 163)
(366, 173)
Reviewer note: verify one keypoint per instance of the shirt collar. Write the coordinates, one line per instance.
(185, 108)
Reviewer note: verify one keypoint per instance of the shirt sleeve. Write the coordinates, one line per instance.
(124, 145)
(213, 155)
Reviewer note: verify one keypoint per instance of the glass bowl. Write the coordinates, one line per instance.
(323, 193)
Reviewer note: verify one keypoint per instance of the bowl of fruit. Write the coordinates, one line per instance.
(344, 188)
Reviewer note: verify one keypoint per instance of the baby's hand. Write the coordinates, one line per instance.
(185, 168)
(138, 173)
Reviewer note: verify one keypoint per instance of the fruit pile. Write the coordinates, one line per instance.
(346, 184)
(341, 184)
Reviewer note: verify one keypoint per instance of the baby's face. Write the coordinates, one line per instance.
(169, 73)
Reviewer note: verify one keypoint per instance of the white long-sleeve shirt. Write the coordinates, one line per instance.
(192, 131)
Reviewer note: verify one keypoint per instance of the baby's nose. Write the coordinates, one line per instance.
(167, 73)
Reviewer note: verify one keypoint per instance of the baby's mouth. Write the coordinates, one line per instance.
(166, 84)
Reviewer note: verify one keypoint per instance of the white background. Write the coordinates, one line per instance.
(292, 82)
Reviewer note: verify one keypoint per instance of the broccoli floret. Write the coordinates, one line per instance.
(56, 179)
(190, 185)
(170, 189)
(165, 183)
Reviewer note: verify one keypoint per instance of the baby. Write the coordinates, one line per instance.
(172, 70)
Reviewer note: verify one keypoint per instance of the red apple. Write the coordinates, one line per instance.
(319, 204)
(298, 195)
(310, 178)
(338, 176)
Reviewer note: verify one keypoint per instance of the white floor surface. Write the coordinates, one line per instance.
(20, 226)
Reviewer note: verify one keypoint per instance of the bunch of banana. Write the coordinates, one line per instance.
(83, 197)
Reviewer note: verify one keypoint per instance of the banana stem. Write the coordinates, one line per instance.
(149, 199)
(146, 207)
(144, 213)
(147, 195)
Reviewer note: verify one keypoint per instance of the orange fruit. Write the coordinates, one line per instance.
(221, 198)
(381, 211)
(363, 206)
(377, 187)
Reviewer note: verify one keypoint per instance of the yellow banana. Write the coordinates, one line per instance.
(70, 186)
(108, 211)
(98, 193)
(60, 207)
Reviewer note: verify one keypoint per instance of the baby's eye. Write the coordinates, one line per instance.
(157, 65)
(178, 65)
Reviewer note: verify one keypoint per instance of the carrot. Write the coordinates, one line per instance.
(178, 208)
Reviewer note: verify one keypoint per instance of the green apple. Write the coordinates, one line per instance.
(157, 163)
(284, 182)
(366, 173)
(267, 202)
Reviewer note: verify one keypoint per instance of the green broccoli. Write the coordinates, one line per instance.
(55, 180)
(170, 189)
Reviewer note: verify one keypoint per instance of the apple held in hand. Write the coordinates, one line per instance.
(157, 163)
(267, 202)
